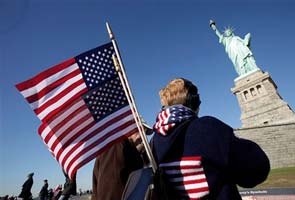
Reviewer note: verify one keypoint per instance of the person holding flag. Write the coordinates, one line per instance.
(112, 168)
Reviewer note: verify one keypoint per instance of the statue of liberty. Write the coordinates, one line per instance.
(238, 50)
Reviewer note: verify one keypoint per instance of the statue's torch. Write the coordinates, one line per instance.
(212, 24)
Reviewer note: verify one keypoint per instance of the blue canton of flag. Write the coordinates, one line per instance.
(97, 65)
(105, 99)
(106, 94)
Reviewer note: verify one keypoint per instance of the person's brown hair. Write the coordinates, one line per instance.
(180, 91)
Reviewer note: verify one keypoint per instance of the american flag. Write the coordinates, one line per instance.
(82, 107)
(187, 176)
(170, 117)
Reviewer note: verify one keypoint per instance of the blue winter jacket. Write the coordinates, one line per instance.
(207, 161)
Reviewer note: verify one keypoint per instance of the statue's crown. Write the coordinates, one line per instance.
(228, 29)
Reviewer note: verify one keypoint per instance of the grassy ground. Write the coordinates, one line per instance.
(279, 178)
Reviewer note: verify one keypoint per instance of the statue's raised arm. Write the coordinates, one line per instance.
(213, 26)
(237, 49)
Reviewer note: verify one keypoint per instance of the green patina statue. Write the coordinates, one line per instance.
(237, 49)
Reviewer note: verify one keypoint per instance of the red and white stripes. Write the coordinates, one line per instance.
(187, 177)
(54, 88)
(163, 124)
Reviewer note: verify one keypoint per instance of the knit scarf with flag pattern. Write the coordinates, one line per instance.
(170, 117)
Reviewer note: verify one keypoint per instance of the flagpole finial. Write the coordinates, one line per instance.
(111, 35)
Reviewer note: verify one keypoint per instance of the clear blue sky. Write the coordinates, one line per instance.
(158, 40)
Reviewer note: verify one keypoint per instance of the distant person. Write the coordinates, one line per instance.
(5, 197)
(205, 159)
(112, 168)
(70, 187)
(50, 194)
(43, 194)
(11, 198)
(57, 192)
(26, 188)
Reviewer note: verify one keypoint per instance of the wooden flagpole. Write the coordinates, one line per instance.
(122, 75)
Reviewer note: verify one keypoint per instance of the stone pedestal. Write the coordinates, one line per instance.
(266, 118)
(260, 102)
(276, 140)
